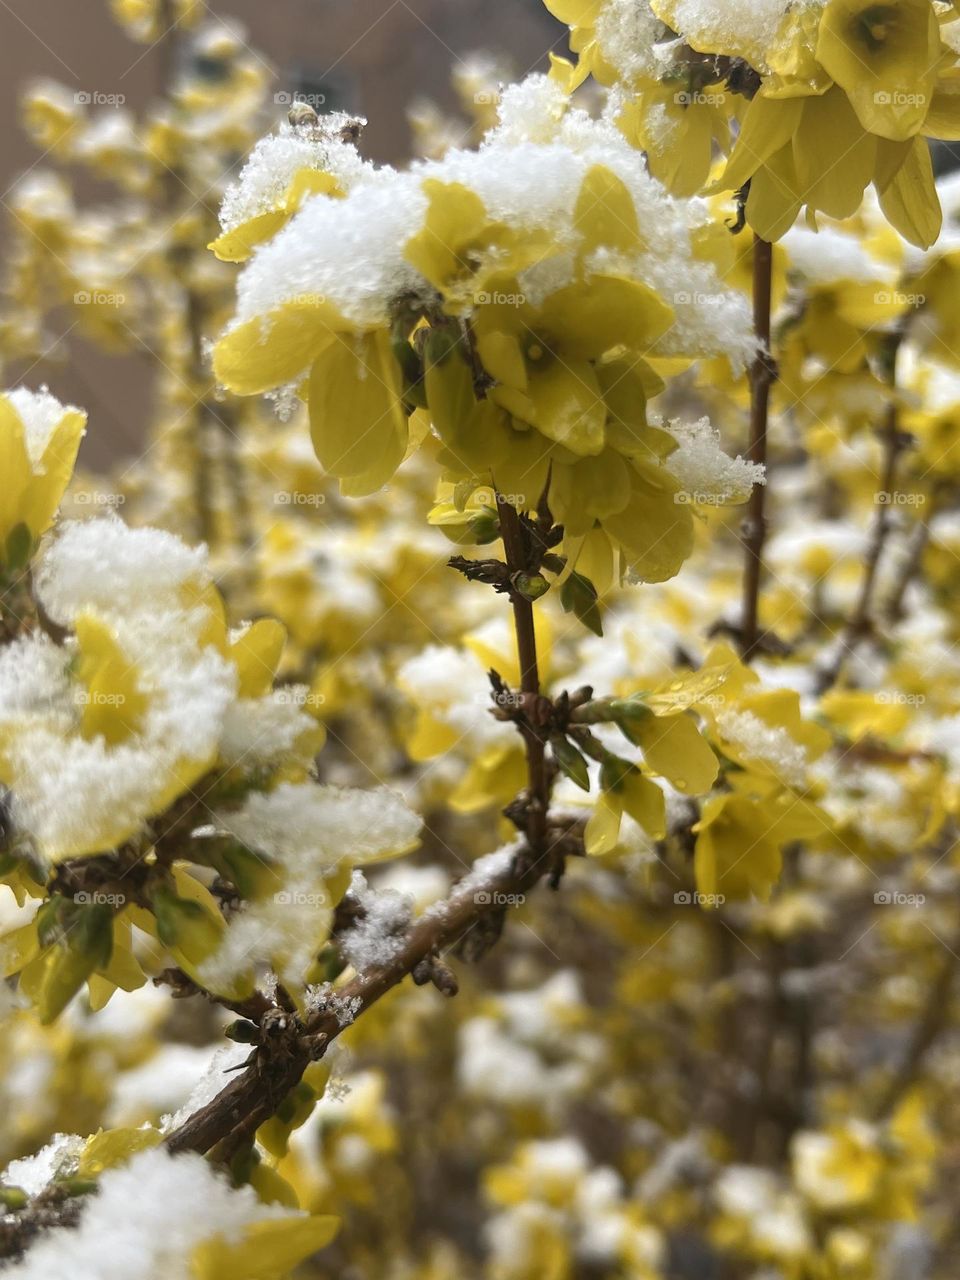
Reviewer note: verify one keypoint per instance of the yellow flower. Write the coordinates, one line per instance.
(885, 56)
(39, 439)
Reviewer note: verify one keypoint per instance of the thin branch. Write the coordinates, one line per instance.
(762, 375)
(860, 622)
(933, 1021)
(476, 907)
(233, 1117)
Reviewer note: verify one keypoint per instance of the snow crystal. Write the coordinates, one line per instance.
(105, 565)
(324, 999)
(286, 929)
(277, 159)
(308, 830)
(40, 413)
(528, 173)
(714, 28)
(629, 36)
(310, 827)
(211, 1073)
(263, 730)
(769, 743)
(705, 472)
(453, 685)
(58, 1158)
(62, 782)
(146, 1221)
(828, 256)
(378, 936)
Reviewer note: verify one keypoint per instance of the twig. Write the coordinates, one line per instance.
(762, 375)
(233, 1117)
(933, 1020)
(231, 1120)
(895, 441)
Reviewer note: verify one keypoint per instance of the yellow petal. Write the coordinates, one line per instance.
(674, 748)
(602, 831)
(605, 215)
(910, 202)
(357, 421)
(568, 405)
(270, 351)
(885, 56)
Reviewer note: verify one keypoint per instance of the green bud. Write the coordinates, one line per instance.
(19, 547)
(631, 716)
(578, 596)
(77, 1186)
(614, 772)
(531, 585)
(13, 1198)
(439, 344)
(84, 946)
(570, 761)
(185, 925)
(243, 1032)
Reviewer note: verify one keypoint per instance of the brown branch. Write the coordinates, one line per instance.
(933, 1021)
(762, 375)
(474, 909)
(860, 622)
(233, 1117)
